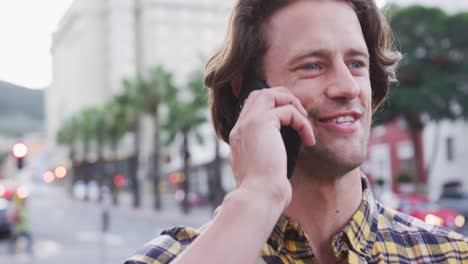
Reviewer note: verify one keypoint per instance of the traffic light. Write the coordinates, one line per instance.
(19, 150)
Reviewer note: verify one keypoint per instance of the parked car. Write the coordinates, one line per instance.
(454, 197)
(420, 207)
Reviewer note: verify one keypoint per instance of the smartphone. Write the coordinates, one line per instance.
(291, 139)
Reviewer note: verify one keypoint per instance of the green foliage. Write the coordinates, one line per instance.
(117, 121)
(187, 112)
(404, 177)
(140, 96)
(90, 127)
(379, 182)
(144, 95)
(433, 70)
(68, 133)
(131, 100)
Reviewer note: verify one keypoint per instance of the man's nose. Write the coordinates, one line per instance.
(343, 85)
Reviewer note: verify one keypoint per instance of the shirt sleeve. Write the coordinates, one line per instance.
(164, 248)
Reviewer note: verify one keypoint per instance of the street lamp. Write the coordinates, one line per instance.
(19, 150)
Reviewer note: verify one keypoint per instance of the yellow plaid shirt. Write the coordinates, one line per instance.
(375, 234)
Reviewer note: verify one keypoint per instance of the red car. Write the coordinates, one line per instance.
(420, 207)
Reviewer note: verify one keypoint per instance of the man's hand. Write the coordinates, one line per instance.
(258, 157)
(258, 154)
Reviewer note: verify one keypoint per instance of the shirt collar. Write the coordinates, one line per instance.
(358, 235)
(361, 231)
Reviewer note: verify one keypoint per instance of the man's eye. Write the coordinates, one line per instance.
(311, 66)
(357, 65)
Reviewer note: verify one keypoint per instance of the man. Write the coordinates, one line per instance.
(329, 64)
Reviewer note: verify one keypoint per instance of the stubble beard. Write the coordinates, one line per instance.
(331, 162)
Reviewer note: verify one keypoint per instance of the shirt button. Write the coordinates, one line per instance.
(364, 250)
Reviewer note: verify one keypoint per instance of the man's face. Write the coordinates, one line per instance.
(317, 50)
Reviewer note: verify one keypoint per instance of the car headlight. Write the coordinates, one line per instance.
(434, 220)
(459, 221)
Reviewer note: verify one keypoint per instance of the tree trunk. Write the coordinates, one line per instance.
(217, 187)
(113, 173)
(186, 184)
(86, 170)
(156, 165)
(415, 128)
(72, 174)
(416, 138)
(100, 171)
(133, 167)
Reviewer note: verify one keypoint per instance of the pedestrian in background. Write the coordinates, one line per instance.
(21, 227)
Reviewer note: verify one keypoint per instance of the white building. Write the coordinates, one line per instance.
(446, 155)
(99, 43)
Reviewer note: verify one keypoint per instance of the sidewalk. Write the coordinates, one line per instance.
(170, 212)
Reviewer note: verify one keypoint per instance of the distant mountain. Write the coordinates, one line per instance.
(21, 109)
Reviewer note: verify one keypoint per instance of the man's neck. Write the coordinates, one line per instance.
(324, 207)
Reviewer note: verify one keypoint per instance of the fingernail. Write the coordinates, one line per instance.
(313, 142)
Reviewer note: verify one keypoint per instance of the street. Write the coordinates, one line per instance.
(69, 231)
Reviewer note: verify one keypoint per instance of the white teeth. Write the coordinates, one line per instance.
(343, 119)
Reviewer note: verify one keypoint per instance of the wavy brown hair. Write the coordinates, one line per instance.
(246, 44)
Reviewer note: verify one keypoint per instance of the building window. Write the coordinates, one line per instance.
(450, 150)
(408, 165)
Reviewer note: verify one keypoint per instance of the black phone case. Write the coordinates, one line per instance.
(291, 139)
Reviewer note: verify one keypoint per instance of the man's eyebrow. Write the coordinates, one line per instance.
(319, 53)
(358, 52)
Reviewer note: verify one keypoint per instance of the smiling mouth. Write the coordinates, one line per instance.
(342, 118)
(342, 122)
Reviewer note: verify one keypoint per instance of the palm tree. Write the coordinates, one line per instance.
(183, 118)
(99, 123)
(86, 129)
(160, 89)
(67, 136)
(117, 126)
(145, 96)
(117, 122)
(217, 191)
(87, 133)
(130, 102)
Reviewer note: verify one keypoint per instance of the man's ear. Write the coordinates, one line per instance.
(236, 85)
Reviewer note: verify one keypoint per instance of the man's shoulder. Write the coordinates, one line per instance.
(165, 247)
(407, 231)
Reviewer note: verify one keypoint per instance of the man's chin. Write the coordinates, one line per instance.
(330, 162)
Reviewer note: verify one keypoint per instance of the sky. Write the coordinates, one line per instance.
(26, 28)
